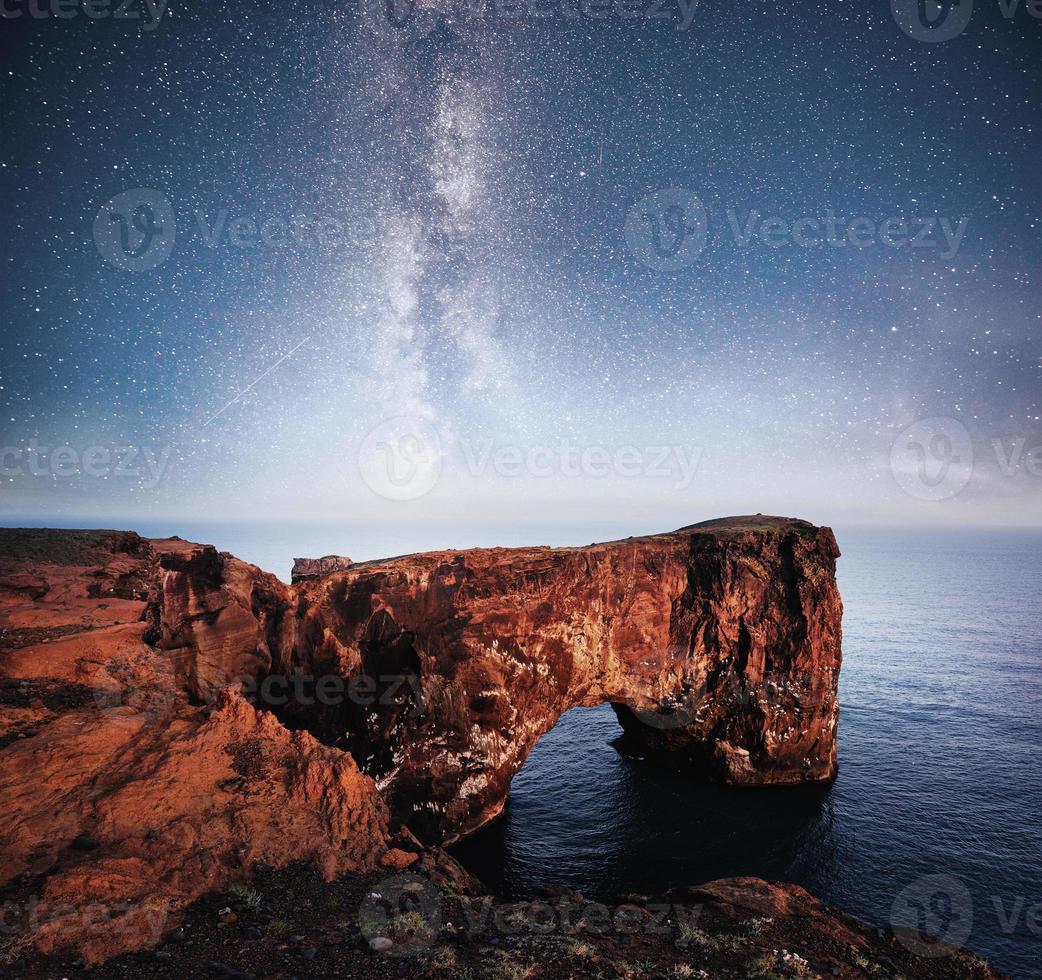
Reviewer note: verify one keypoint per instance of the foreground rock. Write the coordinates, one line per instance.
(122, 801)
(293, 923)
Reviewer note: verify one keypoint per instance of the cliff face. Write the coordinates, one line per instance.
(402, 695)
(718, 645)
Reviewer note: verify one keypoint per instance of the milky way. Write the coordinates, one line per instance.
(507, 262)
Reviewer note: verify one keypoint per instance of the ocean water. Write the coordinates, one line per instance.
(939, 796)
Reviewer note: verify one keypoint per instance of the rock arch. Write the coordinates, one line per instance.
(719, 645)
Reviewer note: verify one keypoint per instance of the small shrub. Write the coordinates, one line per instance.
(509, 970)
(13, 948)
(691, 935)
(579, 950)
(445, 958)
(278, 929)
(758, 925)
(249, 897)
(412, 924)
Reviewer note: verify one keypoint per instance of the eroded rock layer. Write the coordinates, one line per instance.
(719, 646)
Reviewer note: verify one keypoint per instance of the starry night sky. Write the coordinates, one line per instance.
(471, 278)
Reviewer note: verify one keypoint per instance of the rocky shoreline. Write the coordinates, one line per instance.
(206, 771)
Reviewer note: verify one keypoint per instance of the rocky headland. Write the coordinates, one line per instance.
(203, 768)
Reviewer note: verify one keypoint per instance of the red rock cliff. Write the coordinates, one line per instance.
(718, 645)
(121, 801)
(130, 775)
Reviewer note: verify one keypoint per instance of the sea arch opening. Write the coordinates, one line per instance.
(589, 813)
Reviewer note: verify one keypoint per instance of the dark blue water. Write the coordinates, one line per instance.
(940, 754)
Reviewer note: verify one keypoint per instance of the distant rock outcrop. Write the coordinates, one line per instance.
(314, 567)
